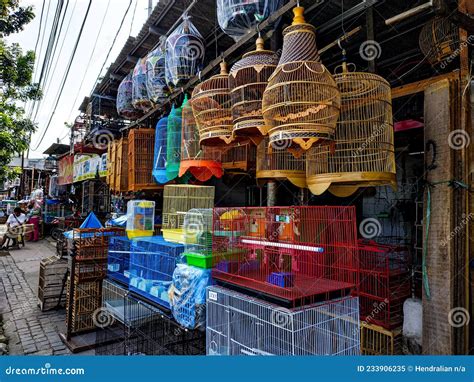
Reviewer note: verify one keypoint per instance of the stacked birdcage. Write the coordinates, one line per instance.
(118, 259)
(177, 201)
(376, 340)
(124, 99)
(155, 74)
(121, 165)
(111, 164)
(299, 255)
(363, 153)
(276, 162)
(301, 102)
(239, 156)
(439, 41)
(212, 109)
(384, 283)
(140, 99)
(140, 159)
(238, 324)
(202, 162)
(152, 263)
(173, 142)
(184, 53)
(140, 218)
(197, 235)
(248, 79)
(159, 162)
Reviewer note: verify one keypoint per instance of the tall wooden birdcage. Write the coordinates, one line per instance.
(439, 40)
(202, 162)
(121, 165)
(124, 99)
(275, 162)
(248, 79)
(159, 161)
(363, 153)
(173, 142)
(111, 164)
(212, 109)
(140, 98)
(177, 201)
(155, 74)
(239, 156)
(140, 159)
(301, 102)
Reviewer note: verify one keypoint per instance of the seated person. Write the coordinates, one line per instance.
(14, 223)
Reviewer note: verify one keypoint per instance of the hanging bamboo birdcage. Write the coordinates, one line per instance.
(184, 53)
(159, 162)
(140, 159)
(277, 163)
(212, 109)
(173, 142)
(140, 98)
(202, 162)
(363, 152)
(439, 40)
(248, 79)
(124, 99)
(155, 75)
(239, 156)
(301, 102)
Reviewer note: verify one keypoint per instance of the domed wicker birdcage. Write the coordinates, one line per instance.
(202, 162)
(159, 163)
(301, 102)
(248, 79)
(275, 162)
(173, 142)
(184, 53)
(124, 99)
(439, 40)
(238, 17)
(212, 109)
(155, 75)
(363, 153)
(140, 98)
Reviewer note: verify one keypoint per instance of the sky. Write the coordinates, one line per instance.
(81, 70)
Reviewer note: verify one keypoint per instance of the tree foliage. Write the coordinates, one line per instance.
(16, 72)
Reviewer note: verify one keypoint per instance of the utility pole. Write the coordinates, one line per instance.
(150, 7)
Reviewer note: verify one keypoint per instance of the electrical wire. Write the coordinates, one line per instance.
(133, 18)
(65, 75)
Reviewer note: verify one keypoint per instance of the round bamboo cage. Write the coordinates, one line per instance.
(173, 142)
(212, 109)
(155, 75)
(439, 40)
(140, 98)
(280, 164)
(202, 162)
(124, 99)
(301, 102)
(248, 79)
(159, 163)
(363, 153)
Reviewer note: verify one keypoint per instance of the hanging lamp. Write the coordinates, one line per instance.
(212, 109)
(173, 142)
(155, 75)
(159, 164)
(202, 162)
(301, 102)
(363, 153)
(248, 79)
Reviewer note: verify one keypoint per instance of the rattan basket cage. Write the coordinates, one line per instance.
(439, 40)
(363, 152)
(212, 109)
(248, 79)
(301, 102)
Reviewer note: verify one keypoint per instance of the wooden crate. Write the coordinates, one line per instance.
(376, 340)
(121, 165)
(52, 272)
(140, 159)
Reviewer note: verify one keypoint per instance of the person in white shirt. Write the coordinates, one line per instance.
(14, 222)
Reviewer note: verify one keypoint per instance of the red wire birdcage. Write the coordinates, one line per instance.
(384, 283)
(297, 254)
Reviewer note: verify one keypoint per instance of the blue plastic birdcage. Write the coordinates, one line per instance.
(118, 259)
(173, 142)
(159, 164)
(152, 263)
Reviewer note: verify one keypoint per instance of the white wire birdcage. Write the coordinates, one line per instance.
(238, 324)
(140, 99)
(197, 231)
(124, 99)
(155, 74)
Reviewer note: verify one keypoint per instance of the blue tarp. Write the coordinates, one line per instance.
(90, 222)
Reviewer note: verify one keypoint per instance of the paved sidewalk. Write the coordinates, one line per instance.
(29, 330)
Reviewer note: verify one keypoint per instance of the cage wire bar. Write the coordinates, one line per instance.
(121, 165)
(296, 255)
(173, 142)
(439, 40)
(140, 159)
(140, 98)
(238, 324)
(118, 259)
(111, 164)
(239, 156)
(160, 154)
